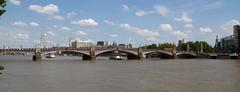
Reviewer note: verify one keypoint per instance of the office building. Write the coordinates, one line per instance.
(236, 33)
(102, 44)
(77, 44)
(228, 44)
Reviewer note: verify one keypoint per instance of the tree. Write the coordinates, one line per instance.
(165, 45)
(153, 46)
(196, 46)
(2, 11)
(2, 7)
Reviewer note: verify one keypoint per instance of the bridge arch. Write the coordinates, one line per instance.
(16, 52)
(124, 51)
(186, 55)
(76, 51)
(160, 54)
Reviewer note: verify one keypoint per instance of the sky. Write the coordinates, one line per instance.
(138, 22)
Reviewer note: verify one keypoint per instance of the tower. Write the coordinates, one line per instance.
(236, 33)
(217, 44)
(43, 40)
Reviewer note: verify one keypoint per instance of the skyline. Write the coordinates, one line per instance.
(133, 21)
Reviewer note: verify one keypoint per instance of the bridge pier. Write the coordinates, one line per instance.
(138, 56)
(91, 56)
(174, 51)
(37, 56)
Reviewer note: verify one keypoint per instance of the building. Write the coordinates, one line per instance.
(129, 45)
(227, 44)
(122, 46)
(114, 44)
(236, 33)
(217, 45)
(180, 43)
(77, 44)
(102, 44)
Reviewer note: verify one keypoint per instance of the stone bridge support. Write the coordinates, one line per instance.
(91, 56)
(174, 51)
(37, 55)
(138, 56)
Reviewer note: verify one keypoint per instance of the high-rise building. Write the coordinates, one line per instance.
(227, 44)
(217, 45)
(180, 42)
(236, 33)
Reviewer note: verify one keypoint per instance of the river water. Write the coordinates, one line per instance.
(71, 74)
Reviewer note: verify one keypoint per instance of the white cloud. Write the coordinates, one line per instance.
(141, 13)
(188, 26)
(152, 39)
(57, 17)
(166, 27)
(161, 10)
(81, 33)
(64, 28)
(22, 36)
(50, 9)
(15, 2)
(114, 35)
(19, 24)
(140, 31)
(71, 14)
(51, 33)
(179, 34)
(228, 26)
(184, 18)
(109, 22)
(85, 22)
(125, 7)
(213, 5)
(34, 24)
(205, 29)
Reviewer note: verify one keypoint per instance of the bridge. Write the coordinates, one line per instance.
(90, 53)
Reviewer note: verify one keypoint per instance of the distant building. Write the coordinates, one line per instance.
(77, 44)
(217, 45)
(236, 33)
(129, 46)
(102, 44)
(180, 42)
(228, 44)
(114, 44)
(122, 46)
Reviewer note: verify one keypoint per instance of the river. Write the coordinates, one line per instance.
(71, 74)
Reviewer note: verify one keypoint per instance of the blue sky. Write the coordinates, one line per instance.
(137, 22)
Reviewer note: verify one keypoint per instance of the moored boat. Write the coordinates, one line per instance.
(116, 57)
(233, 56)
(213, 56)
(51, 55)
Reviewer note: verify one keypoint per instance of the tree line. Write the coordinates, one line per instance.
(194, 46)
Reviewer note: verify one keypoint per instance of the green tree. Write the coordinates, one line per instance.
(164, 45)
(2, 11)
(2, 7)
(152, 46)
(196, 46)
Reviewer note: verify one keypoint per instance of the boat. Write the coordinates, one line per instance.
(51, 55)
(233, 56)
(116, 57)
(213, 56)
